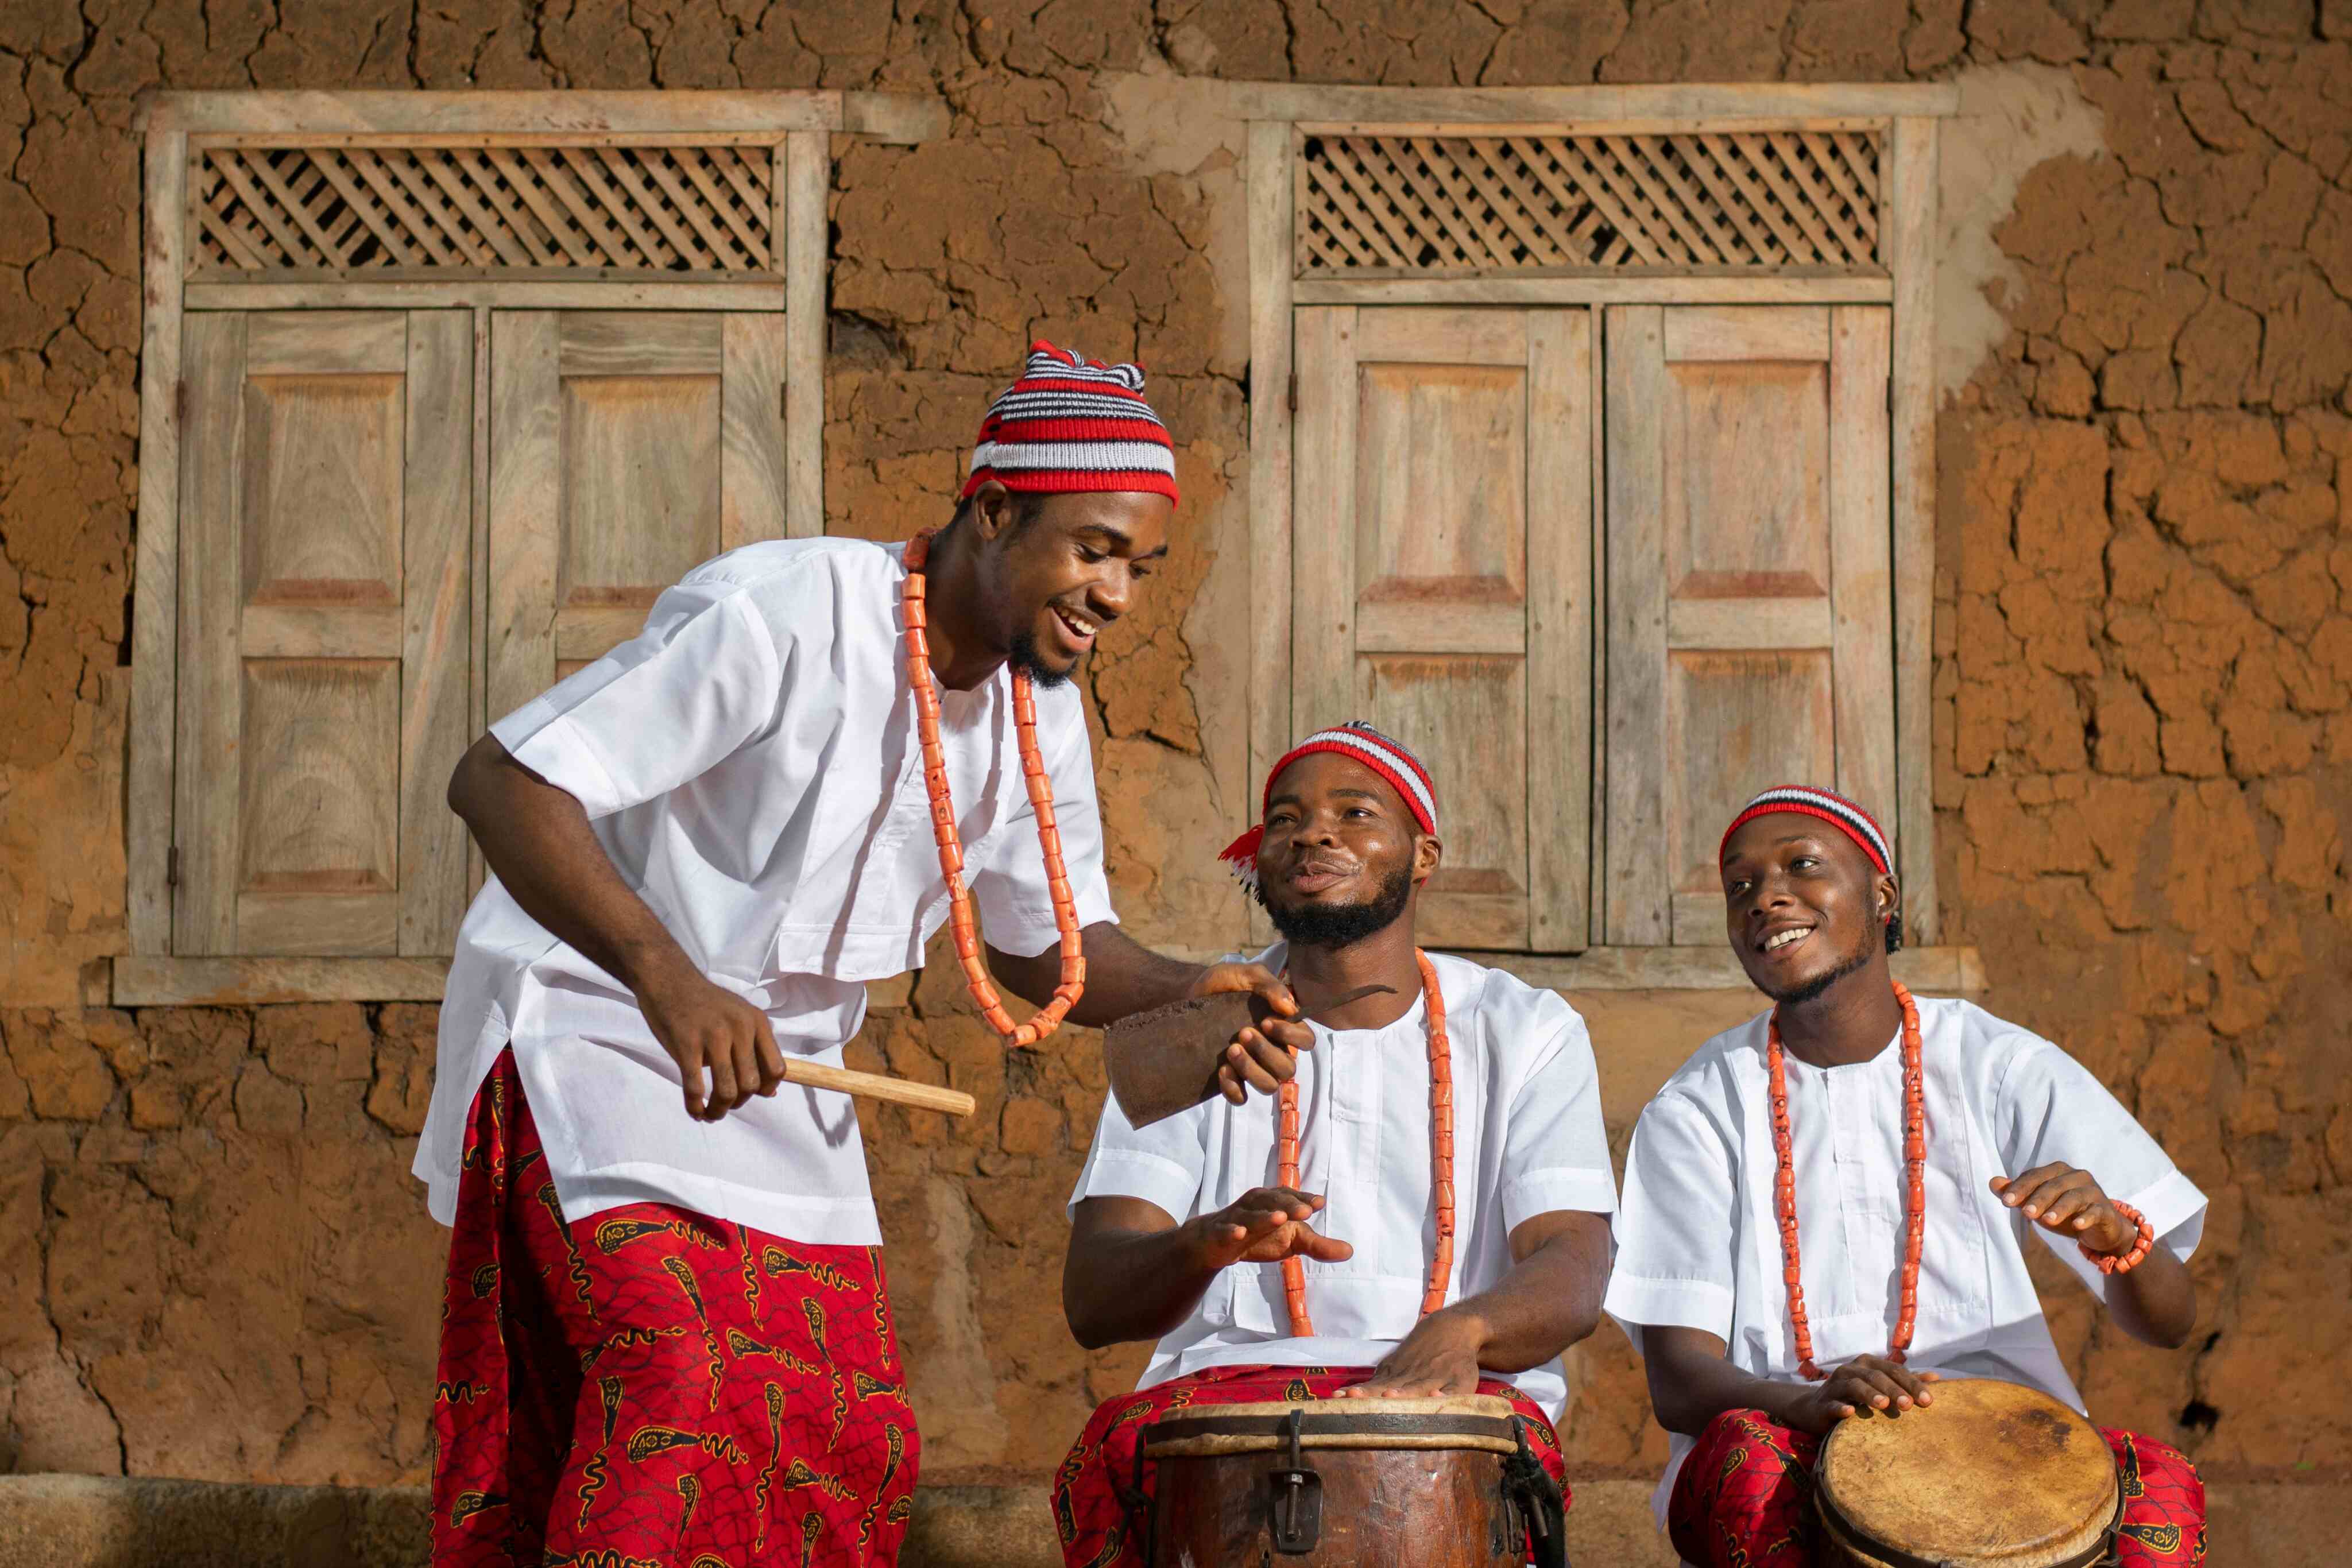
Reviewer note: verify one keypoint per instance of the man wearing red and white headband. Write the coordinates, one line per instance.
(665, 1336)
(1427, 1213)
(1826, 1208)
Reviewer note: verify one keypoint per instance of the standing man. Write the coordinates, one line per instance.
(1828, 1208)
(665, 1336)
(1428, 1217)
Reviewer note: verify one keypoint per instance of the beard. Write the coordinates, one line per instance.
(1025, 659)
(1343, 924)
(1804, 991)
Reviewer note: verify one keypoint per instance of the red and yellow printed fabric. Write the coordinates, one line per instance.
(651, 1386)
(1745, 1496)
(1094, 1485)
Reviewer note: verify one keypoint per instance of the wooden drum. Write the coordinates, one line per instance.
(1990, 1474)
(1450, 1483)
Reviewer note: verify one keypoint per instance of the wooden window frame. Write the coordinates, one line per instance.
(796, 126)
(1281, 116)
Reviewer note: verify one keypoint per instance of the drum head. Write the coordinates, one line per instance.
(1468, 1421)
(1990, 1473)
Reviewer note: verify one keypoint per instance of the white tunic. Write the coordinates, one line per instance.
(1527, 1140)
(749, 763)
(1698, 1246)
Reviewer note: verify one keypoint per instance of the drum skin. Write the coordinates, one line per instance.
(1992, 1474)
(1431, 1503)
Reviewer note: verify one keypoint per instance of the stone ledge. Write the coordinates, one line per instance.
(102, 1522)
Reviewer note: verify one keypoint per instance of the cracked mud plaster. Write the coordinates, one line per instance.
(2143, 739)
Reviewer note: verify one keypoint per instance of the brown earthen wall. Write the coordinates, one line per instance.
(214, 1263)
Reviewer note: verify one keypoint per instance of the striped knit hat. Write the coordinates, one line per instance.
(1356, 739)
(1073, 424)
(1810, 801)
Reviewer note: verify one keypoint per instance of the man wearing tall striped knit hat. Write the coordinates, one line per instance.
(1428, 1213)
(1827, 1218)
(666, 1337)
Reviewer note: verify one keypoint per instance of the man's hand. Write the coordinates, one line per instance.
(1438, 1358)
(1263, 1056)
(1266, 1225)
(702, 1025)
(1867, 1385)
(2066, 1201)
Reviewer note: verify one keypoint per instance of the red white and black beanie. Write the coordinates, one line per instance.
(1073, 424)
(1383, 754)
(1812, 800)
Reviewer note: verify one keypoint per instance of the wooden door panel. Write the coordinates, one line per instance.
(325, 653)
(1440, 540)
(1751, 636)
(626, 447)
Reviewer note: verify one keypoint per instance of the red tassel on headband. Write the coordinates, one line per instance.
(1356, 739)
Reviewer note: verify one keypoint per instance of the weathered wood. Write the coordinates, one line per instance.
(1861, 584)
(155, 587)
(1748, 623)
(315, 631)
(1334, 104)
(501, 289)
(808, 170)
(1270, 463)
(326, 343)
(526, 492)
(477, 675)
(1636, 748)
(1774, 332)
(684, 344)
(1442, 336)
(1930, 971)
(1409, 626)
(1323, 581)
(1670, 125)
(504, 113)
(212, 474)
(1911, 251)
(1586, 287)
(754, 459)
(1596, 577)
(1559, 629)
(347, 924)
(590, 631)
(437, 614)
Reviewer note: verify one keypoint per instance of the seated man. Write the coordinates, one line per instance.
(1199, 1231)
(1826, 1208)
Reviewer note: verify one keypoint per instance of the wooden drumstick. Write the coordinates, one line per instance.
(877, 1086)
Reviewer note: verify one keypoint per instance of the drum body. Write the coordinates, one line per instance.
(1378, 1481)
(1992, 1474)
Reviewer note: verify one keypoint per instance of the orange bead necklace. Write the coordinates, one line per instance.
(1914, 1186)
(943, 826)
(1441, 1147)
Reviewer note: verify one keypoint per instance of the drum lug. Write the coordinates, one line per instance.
(1295, 1503)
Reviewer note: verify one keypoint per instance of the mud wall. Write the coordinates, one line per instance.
(217, 1265)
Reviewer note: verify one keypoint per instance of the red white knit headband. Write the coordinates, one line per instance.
(1358, 741)
(1810, 801)
(1073, 424)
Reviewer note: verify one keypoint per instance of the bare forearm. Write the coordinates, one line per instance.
(1691, 1384)
(537, 839)
(2156, 1302)
(1123, 1285)
(1123, 975)
(1549, 1301)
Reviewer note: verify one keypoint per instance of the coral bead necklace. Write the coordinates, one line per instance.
(1915, 1188)
(1441, 1149)
(943, 826)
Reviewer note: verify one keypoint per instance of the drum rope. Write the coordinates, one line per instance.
(1440, 1142)
(943, 825)
(1914, 1186)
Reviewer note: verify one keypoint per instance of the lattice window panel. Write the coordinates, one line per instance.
(1388, 205)
(265, 210)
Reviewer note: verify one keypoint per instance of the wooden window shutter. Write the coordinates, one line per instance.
(1442, 551)
(627, 447)
(1750, 637)
(325, 478)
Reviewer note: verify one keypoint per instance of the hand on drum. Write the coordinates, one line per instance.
(1867, 1385)
(1261, 1056)
(1439, 1358)
(1266, 1225)
(2065, 1199)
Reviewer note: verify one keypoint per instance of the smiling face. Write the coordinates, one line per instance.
(1055, 570)
(1803, 906)
(1341, 857)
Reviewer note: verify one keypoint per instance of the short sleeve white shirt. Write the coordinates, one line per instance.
(1527, 1140)
(1698, 1245)
(749, 763)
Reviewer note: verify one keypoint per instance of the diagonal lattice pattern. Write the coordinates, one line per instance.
(631, 209)
(1433, 205)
